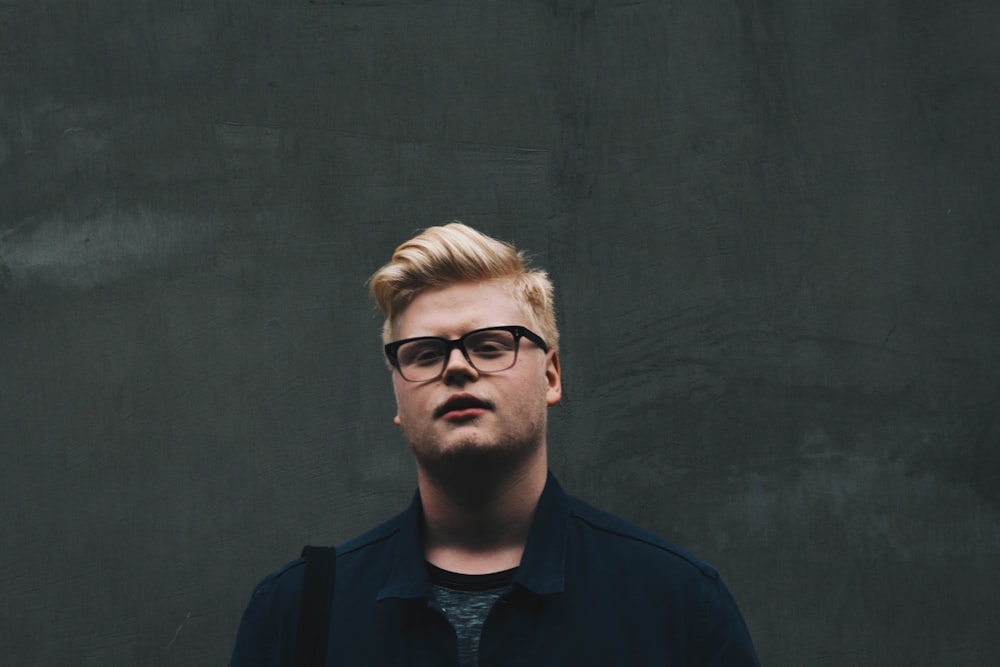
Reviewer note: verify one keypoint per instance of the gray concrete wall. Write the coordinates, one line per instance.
(773, 227)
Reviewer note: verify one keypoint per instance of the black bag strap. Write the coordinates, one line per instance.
(314, 609)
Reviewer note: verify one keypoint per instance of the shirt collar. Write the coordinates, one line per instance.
(542, 568)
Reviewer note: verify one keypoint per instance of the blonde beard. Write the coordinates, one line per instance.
(475, 464)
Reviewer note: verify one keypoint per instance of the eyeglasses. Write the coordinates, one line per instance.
(489, 350)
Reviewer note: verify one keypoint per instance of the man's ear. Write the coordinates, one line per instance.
(553, 379)
(395, 395)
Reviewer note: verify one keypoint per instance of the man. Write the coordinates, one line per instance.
(492, 564)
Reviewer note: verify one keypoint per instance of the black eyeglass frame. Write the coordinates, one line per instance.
(519, 332)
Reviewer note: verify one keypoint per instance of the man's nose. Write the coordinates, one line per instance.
(457, 366)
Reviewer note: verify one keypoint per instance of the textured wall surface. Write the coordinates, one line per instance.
(773, 227)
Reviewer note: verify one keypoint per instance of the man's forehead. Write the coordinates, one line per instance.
(455, 309)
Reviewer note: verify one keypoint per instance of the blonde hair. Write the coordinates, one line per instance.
(454, 253)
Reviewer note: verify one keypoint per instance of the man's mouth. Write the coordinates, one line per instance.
(462, 406)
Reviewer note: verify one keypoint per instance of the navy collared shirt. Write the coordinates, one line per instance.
(591, 589)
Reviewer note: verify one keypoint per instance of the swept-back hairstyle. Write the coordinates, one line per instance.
(454, 253)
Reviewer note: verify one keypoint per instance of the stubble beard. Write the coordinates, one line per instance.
(472, 464)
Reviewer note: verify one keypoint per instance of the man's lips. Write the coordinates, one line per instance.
(461, 406)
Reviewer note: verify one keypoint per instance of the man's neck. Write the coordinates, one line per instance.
(477, 525)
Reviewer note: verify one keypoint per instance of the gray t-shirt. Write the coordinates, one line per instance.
(467, 600)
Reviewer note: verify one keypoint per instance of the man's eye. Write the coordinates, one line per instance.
(424, 355)
(491, 348)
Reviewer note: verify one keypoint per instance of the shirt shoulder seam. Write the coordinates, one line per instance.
(620, 528)
(370, 538)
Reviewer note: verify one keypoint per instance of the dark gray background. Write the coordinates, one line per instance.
(773, 228)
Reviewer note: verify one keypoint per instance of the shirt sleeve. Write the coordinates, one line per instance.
(724, 640)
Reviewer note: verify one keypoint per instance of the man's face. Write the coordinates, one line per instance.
(465, 411)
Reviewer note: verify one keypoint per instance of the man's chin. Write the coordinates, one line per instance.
(474, 457)
(471, 450)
